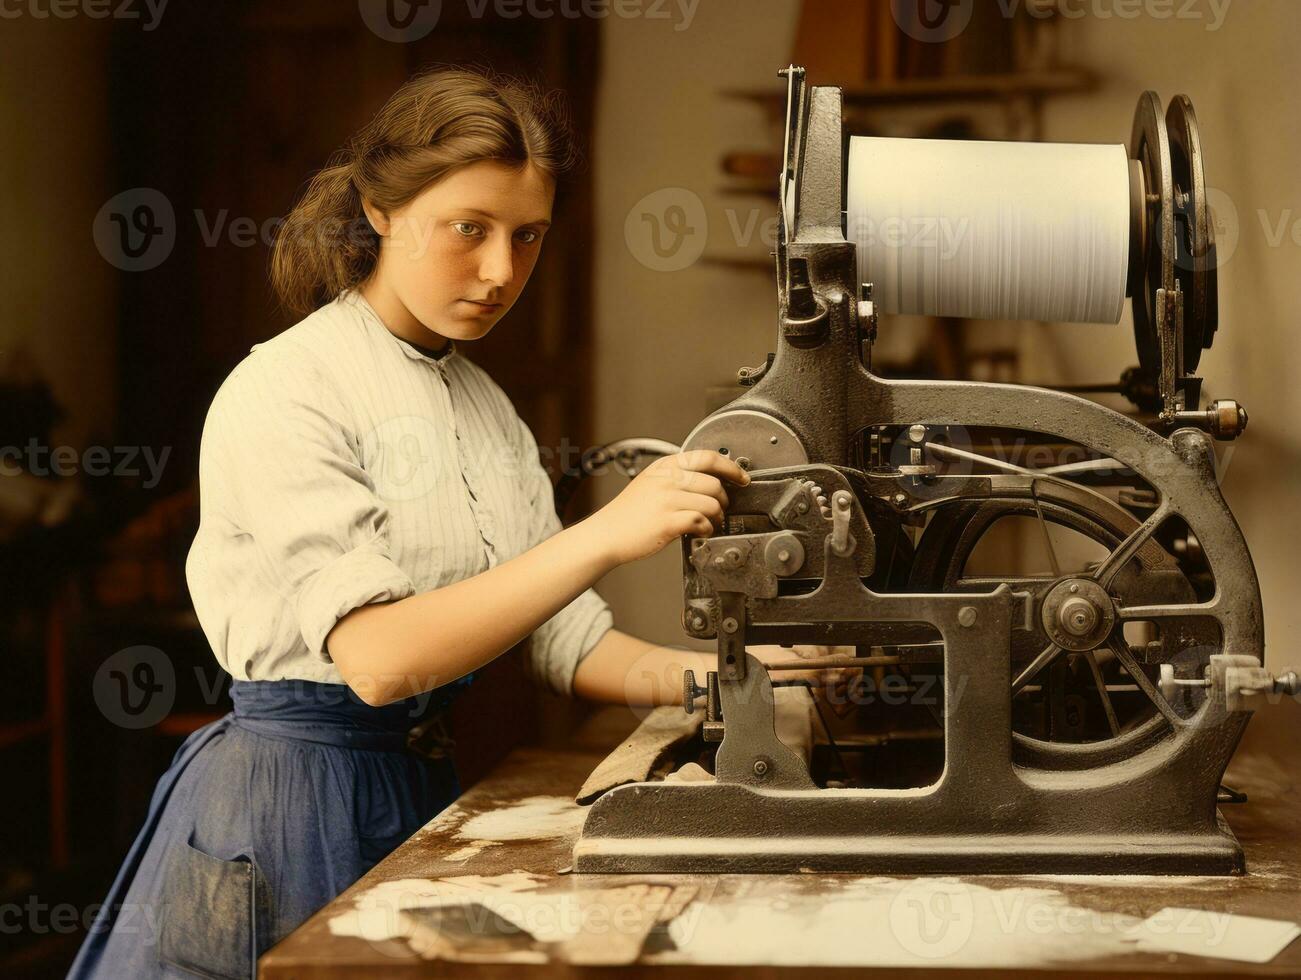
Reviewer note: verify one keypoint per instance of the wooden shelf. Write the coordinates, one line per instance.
(949, 88)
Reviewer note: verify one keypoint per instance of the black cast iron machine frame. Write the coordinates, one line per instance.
(1143, 800)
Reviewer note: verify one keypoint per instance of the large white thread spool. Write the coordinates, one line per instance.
(991, 230)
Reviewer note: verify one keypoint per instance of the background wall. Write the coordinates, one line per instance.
(58, 298)
(664, 337)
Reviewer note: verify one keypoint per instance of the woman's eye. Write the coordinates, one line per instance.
(467, 228)
(528, 237)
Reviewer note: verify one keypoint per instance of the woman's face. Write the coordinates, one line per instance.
(453, 261)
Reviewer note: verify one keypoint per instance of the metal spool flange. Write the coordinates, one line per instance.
(1195, 258)
(1149, 144)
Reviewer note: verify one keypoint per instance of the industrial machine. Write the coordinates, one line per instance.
(1075, 719)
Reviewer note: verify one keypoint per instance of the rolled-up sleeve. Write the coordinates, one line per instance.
(560, 644)
(280, 456)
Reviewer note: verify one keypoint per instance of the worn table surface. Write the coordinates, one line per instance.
(513, 832)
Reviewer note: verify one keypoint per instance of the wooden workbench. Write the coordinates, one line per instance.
(1036, 925)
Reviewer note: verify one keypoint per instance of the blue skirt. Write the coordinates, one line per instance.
(264, 816)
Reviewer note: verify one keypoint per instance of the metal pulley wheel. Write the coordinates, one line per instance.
(1173, 230)
(1195, 257)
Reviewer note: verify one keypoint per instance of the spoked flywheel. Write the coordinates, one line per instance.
(1113, 602)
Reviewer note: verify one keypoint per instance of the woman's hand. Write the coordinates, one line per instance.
(673, 496)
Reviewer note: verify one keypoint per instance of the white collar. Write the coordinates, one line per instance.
(413, 352)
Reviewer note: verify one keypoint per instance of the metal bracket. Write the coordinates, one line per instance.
(731, 636)
(751, 753)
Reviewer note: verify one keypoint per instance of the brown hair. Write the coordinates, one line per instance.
(435, 122)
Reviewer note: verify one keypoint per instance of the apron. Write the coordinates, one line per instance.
(264, 816)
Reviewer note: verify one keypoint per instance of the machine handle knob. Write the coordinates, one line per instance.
(690, 691)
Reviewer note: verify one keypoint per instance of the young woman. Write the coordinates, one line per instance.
(376, 526)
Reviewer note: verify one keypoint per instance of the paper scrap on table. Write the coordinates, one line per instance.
(509, 919)
(1221, 935)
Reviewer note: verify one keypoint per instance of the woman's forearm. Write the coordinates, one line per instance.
(622, 669)
(387, 651)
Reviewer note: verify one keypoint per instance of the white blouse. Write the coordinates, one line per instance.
(341, 465)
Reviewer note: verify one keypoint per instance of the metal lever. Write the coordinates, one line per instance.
(842, 542)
